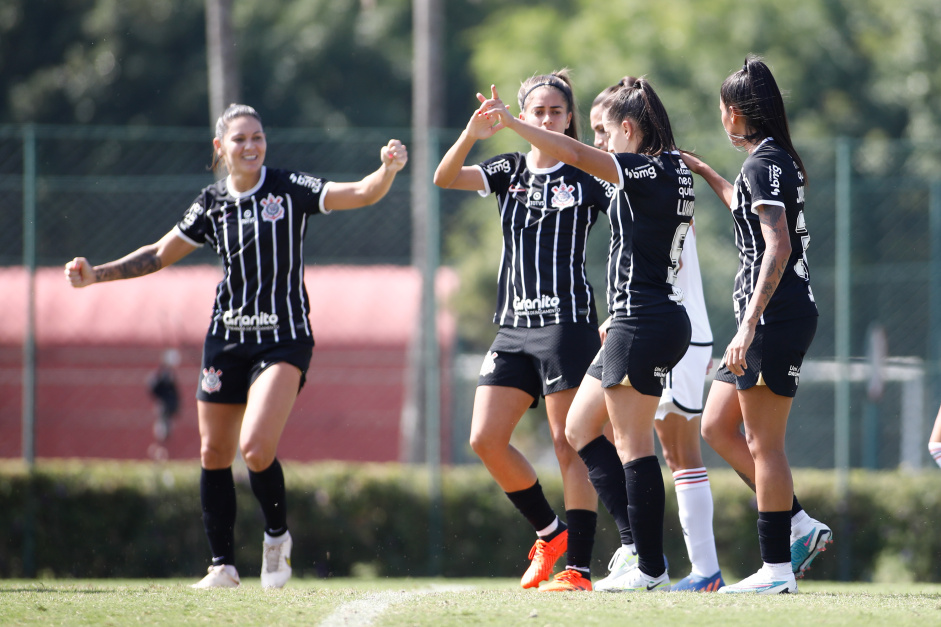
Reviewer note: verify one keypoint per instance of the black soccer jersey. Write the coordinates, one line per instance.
(650, 217)
(769, 176)
(546, 215)
(259, 235)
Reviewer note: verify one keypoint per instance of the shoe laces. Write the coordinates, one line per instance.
(539, 549)
(569, 575)
(621, 555)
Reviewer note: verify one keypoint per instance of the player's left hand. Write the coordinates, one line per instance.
(394, 155)
(495, 110)
(735, 353)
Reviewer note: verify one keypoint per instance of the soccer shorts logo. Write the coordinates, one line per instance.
(489, 365)
(212, 380)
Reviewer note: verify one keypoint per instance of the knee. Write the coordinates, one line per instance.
(257, 458)
(213, 458)
(674, 462)
(564, 452)
(484, 445)
(711, 432)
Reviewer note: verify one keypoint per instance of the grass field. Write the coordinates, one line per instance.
(446, 602)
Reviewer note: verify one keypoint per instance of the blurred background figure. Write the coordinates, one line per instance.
(163, 389)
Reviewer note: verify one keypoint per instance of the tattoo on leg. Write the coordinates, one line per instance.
(748, 482)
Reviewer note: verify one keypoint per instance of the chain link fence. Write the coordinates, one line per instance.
(103, 192)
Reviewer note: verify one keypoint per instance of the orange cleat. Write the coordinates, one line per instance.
(544, 555)
(568, 581)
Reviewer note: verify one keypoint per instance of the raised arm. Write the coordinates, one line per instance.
(372, 187)
(145, 260)
(562, 147)
(451, 173)
(719, 185)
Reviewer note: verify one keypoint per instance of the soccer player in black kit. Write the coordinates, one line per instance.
(259, 343)
(548, 324)
(776, 317)
(648, 331)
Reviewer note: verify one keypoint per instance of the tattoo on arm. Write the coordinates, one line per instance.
(774, 223)
(134, 265)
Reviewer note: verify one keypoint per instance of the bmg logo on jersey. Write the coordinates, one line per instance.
(774, 179)
(305, 180)
(272, 208)
(263, 321)
(501, 165)
(562, 196)
(641, 172)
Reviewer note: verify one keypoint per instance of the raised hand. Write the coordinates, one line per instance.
(494, 110)
(79, 273)
(394, 155)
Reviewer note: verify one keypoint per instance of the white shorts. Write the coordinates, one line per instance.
(683, 392)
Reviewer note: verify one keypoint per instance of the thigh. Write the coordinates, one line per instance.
(631, 415)
(270, 400)
(219, 426)
(588, 414)
(723, 411)
(765, 416)
(497, 411)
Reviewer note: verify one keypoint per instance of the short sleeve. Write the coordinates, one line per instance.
(764, 178)
(633, 169)
(497, 172)
(309, 191)
(194, 225)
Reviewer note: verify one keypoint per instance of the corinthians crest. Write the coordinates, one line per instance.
(562, 196)
(271, 208)
(212, 380)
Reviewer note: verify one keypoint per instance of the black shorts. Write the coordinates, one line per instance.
(540, 361)
(775, 356)
(639, 351)
(230, 368)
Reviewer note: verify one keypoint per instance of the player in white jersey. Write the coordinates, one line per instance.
(259, 343)
(934, 441)
(777, 318)
(649, 330)
(548, 325)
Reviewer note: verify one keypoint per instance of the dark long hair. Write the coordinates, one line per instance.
(753, 91)
(559, 80)
(640, 103)
(607, 92)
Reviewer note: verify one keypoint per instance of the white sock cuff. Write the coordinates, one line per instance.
(690, 479)
(935, 449)
(275, 540)
(552, 527)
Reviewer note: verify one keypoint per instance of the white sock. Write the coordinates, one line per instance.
(799, 523)
(552, 527)
(275, 540)
(694, 496)
(779, 571)
(935, 449)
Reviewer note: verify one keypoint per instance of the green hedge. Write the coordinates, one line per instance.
(111, 519)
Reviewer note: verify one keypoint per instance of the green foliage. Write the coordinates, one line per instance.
(142, 520)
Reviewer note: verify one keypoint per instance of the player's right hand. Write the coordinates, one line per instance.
(79, 272)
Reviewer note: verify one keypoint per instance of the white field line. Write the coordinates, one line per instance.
(365, 611)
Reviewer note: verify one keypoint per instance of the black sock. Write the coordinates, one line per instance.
(796, 507)
(645, 504)
(607, 475)
(217, 493)
(582, 524)
(533, 505)
(268, 487)
(774, 536)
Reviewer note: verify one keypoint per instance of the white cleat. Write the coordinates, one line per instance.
(763, 582)
(276, 563)
(623, 560)
(221, 576)
(636, 580)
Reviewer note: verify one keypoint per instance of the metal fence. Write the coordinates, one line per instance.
(873, 210)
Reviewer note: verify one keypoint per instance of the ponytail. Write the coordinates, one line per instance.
(753, 91)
